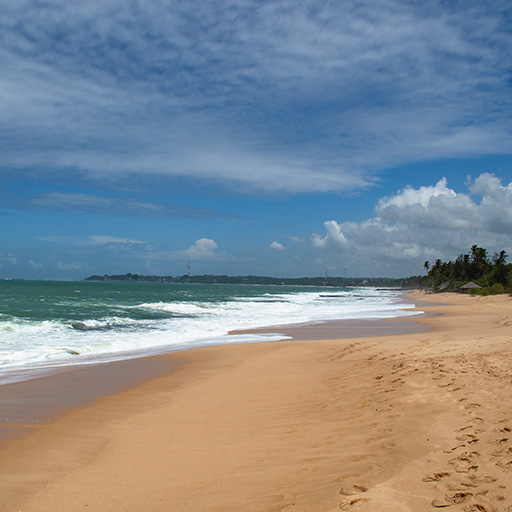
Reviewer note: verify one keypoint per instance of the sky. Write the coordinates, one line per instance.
(280, 138)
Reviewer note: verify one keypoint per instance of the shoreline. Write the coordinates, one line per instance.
(265, 331)
(378, 423)
(44, 394)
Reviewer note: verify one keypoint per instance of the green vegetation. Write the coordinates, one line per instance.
(492, 275)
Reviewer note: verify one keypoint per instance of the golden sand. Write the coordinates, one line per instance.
(416, 422)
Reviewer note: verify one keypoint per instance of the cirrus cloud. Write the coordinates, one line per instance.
(286, 96)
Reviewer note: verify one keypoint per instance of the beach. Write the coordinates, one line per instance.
(403, 422)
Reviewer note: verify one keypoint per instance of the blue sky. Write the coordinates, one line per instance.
(284, 138)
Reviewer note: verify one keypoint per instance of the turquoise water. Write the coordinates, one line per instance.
(75, 301)
(54, 323)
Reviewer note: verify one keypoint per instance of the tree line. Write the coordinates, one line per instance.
(409, 282)
(492, 273)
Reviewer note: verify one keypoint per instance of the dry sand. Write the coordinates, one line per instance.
(415, 422)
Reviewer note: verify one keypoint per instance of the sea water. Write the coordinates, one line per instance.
(45, 324)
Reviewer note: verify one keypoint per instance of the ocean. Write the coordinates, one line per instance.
(44, 324)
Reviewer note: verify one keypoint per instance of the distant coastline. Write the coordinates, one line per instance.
(406, 282)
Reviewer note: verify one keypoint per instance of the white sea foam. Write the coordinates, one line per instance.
(186, 324)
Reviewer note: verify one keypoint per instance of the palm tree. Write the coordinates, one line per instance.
(500, 269)
(479, 261)
(500, 259)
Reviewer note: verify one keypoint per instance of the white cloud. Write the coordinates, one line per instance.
(71, 266)
(496, 204)
(277, 246)
(430, 206)
(9, 258)
(279, 96)
(411, 196)
(202, 249)
(420, 224)
(334, 236)
(91, 240)
(35, 265)
(108, 205)
(106, 240)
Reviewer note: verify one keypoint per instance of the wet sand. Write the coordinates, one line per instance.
(341, 329)
(36, 401)
(410, 422)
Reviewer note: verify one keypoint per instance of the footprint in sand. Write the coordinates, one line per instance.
(507, 466)
(478, 507)
(500, 441)
(469, 485)
(468, 438)
(354, 499)
(351, 502)
(450, 450)
(458, 497)
(435, 477)
(464, 469)
(465, 457)
(440, 503)
(352, 490)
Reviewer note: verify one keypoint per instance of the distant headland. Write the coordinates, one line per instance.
(408, 282)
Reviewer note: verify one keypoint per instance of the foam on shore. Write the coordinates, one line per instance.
(39, 397)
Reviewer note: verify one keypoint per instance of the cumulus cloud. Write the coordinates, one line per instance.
(430, 206)
(334, 236)
(296, 96)
(277, 246)
(495, 207)
(204, 249)
(411, 196)
(415, 225)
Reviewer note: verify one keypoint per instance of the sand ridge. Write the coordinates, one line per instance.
(416, 422)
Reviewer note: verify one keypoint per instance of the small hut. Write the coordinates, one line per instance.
(469, 286)
(444, 287)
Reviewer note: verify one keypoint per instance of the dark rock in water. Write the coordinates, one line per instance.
(80, 326)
